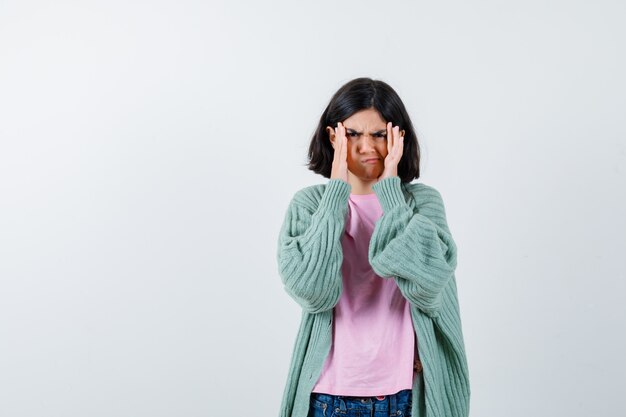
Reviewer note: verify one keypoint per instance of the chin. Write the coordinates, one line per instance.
(367, 175)
(372, 177)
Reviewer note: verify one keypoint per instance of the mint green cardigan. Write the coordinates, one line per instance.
(412, 244)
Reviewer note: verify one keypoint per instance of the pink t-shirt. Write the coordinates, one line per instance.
(374, 344)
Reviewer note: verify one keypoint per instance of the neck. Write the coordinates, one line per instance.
(360, 185)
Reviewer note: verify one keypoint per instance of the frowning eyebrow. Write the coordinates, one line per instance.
(378, 132)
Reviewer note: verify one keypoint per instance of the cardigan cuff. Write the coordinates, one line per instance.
(389, 193)
(335, 197)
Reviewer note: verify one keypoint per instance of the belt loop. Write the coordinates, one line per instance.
(340, 404)
(393, 404)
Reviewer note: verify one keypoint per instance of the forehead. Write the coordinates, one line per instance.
(365, 119)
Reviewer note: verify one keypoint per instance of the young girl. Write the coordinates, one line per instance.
(370, 259)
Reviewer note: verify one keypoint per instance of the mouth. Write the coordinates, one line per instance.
(370, 160)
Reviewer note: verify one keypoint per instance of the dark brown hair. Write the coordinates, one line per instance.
(354, 96)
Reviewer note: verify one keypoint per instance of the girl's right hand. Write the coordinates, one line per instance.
(340, 158)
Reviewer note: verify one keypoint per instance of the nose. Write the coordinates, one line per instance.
(366, 144)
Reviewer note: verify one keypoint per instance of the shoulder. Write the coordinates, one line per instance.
(309, 197)
(427, 201)
(423, 193)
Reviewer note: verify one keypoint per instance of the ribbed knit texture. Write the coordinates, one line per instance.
(412, 244)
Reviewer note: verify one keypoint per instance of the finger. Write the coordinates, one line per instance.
(396, 139)
(344, 147)
(337, 146)
(336, 151)
(389, 138)
(340, 135)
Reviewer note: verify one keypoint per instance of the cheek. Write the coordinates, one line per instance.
(382, 149)
(353, 152)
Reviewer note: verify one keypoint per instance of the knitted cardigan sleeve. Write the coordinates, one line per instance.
(413, 245)
(309, 247)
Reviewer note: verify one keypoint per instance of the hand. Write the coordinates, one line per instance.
(340, 157)
(395, 146)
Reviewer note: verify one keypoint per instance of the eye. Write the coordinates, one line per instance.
(352, 134)
(380, 135)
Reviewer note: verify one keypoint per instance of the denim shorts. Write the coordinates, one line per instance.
(327, 405)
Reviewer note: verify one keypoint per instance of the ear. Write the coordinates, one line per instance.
(331, 135)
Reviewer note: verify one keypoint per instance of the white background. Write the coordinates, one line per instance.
(148, 151)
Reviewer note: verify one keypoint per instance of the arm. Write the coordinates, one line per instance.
(414, 247)
(309, 248)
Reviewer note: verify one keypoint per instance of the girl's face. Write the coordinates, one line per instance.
(366, 134)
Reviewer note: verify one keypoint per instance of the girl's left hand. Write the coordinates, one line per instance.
(395, 146)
